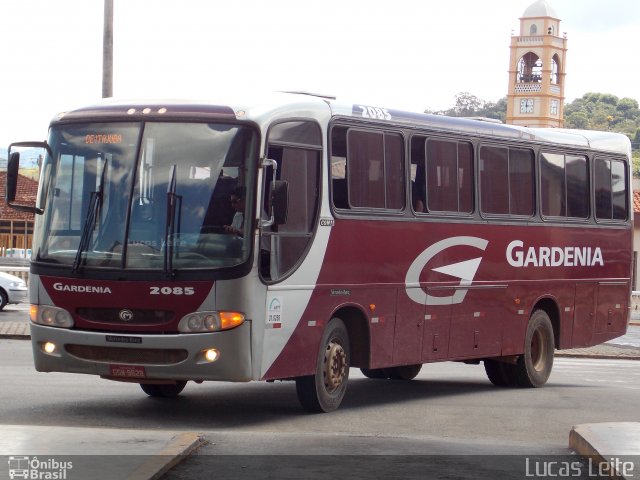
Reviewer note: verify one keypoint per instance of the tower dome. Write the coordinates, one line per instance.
(539, 9)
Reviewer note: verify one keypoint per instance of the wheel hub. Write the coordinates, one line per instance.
(538, 350)
(335, 366)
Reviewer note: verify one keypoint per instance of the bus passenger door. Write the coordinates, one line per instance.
(407, 340)
(584, 316)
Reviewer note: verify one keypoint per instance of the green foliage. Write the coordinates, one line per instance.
(636, 163)
(468, 105)
(604, 111)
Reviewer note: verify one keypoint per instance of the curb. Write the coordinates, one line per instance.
(596, 356)
(611, 443)
(180, 447)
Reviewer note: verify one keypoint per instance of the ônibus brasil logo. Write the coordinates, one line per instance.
(464, 270)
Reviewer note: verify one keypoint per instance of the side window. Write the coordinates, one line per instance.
(374, 170)
(564, 185)
(367, 169)
(610, 184)
(296, 147)
(449, 182)
(506, 181)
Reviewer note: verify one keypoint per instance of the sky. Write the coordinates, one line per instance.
(406, 54)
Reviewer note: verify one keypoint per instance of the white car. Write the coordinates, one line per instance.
(12, 289)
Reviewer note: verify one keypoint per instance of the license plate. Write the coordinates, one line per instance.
(127, 371)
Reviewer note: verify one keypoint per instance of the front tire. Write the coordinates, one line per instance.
(534, 366)
(163, 390)
(324, 391)
(4, 299)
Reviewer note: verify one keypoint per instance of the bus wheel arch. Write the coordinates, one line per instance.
(357, 325)
(550, 306)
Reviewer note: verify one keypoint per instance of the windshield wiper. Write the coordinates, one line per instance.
(95, 203)
(174, 204)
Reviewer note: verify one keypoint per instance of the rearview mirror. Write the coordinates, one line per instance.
(12, 176)
(23, 170)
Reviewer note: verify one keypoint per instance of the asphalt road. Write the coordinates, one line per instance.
(451, 401)
(384, 427)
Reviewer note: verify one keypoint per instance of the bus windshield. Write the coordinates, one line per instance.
(147, 195)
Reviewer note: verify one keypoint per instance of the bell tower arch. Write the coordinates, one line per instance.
(537, 63)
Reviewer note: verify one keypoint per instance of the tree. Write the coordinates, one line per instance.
(604, 111)
(468, 105)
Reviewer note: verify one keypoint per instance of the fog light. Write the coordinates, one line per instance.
(211, 355)
(49, 347)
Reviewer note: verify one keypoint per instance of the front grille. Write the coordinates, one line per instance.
(137, 356)
(114, 316)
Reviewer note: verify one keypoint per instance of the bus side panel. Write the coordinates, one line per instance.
(368, 312)
(584, 315)
(612, 307)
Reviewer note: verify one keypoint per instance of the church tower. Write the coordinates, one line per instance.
(537, 69)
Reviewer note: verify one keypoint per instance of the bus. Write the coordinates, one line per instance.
(292, 237)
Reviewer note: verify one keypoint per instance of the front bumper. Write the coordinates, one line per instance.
(160, 357)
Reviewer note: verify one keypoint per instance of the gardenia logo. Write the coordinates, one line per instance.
(61, 287)
(519, 256)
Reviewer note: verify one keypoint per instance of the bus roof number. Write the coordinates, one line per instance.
(375, 113)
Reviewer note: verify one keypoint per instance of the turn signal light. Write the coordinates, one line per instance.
(230, 319)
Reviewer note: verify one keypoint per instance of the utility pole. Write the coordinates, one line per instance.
(107, 50)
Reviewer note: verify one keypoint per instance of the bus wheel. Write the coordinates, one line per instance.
(501, 374)
(404, 372)
(377, 373)
(534, 366)
(324, 391)
(166, 390)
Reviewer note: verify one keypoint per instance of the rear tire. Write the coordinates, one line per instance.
(163, 390)
(501, 374)
(404, 372)
(376, 373)
(324, 391)
(534, 366)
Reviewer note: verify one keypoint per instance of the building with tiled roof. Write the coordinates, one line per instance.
(16, 227)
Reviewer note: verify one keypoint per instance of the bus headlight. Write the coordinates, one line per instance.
(202, 322)
(50, 316)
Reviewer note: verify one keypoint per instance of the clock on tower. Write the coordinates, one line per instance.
(526, 105)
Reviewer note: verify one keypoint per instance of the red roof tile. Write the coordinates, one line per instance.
(636, 202)
(27, 192)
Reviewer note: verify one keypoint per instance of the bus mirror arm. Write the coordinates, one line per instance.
(279, 201)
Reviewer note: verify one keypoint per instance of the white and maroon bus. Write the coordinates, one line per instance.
(295, 237)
